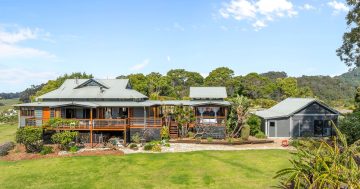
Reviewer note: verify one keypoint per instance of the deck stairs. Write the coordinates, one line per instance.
(174, 130)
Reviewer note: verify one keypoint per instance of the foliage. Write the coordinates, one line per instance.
(133, 146)
(165, 133)
(136, 138)
(323, 164)
(263, 102)
(54, 84)
(357, 100)
(73, 149)
(148, 147)
(260, 135)
(46, 150)
(64, 139)
(56, 122)
(209, 139)
(349, 52)
(156, 148)
(181, 80)
(184, 115)
(230, 140)
(350, 127)
(31, 137)
(245, 132)
(25, 96)
(255, 123)
(238, 115)
(6, 147)
(191, 134)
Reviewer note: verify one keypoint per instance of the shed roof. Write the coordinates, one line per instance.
(288, 107)
(94, 89)
(208, 92)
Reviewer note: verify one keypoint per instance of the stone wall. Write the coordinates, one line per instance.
(217, 132)
(148, 133)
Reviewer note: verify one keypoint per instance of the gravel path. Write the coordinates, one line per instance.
(183, 147)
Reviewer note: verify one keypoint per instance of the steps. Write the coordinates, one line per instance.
(174, 130)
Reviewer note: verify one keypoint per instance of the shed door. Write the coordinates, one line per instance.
(46, 113)
(272, 129)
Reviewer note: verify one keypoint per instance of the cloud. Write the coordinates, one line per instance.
(10, 38)
(258, 12)
(140, 66)
(168, 58)
(307, 6)
(16, 76)
(338, 7)
(177, 26)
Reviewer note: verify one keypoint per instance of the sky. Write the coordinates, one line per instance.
(41, 40)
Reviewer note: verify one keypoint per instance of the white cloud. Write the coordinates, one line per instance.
(338, 6)
(258, 12)
(307, 6)
(168, 58)
(10, 38)
(140, 66)
(20, 76)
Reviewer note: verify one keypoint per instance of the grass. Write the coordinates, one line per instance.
(7, 132)
(8, 103)
(204, 169)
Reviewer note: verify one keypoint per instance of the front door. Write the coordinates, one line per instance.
(46, 113)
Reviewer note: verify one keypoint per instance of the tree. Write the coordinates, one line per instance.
(139, 82)
(288, 87)
(256, 86)
(184, 115)
(181, 80)
(349, 51)
(223, 77)
(272, 75)
(357, 100)
(25, 96)
(350, 127)
(238, 115)
(323, 164)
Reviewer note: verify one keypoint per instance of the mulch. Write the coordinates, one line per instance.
(19, 153)
(221, 142)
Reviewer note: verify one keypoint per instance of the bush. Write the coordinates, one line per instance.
(73, 149)
(191, 134)
(6, 147)
(56, 122)
(260, 135)
(156, 148)
(148, 147)
(136, 138)
(209, 139)
(255, 123)
(31, 137)
(230, 140)
(350, 126)
(46, 150)
(64, 139)
(245, 132)
(165, 133)
(133, 146)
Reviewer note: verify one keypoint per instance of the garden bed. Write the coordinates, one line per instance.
(19, 153)
(222, 142)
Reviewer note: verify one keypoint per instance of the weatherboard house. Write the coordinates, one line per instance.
(100, 108)
(298, 117)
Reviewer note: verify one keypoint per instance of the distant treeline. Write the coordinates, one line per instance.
(265, 88)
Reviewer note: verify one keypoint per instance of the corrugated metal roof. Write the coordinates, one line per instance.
(208, 92)
(115, 89)
(288, 107)
(146, 103)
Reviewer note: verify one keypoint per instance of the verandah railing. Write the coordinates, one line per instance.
(210, 120)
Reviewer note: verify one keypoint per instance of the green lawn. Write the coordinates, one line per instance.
(7, 132)
(205, 169)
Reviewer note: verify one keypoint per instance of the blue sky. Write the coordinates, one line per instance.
(40, 40)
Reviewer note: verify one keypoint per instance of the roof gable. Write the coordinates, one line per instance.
(91, 82)
(208, 92)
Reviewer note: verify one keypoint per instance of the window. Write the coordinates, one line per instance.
(25, 111)
(272, 124)
(322, 128)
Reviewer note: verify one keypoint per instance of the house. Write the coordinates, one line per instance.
(297, 117)
(102, 108)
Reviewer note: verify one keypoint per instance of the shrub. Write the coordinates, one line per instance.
(133, 146)
(191, 134)
(73, 149)
(136, 138)
(165, 133)
(255, 123)
(55, 122)
(167, 145)
(245, 132)
(230, 140)
(350, 126)
(260, 135)
(156, 148)
(31, 137)
(6, 147)
(46, 150)
(148, 147)
(64, 139)
(209, 139)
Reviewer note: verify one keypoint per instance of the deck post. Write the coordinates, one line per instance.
(125, 135)
(154, 110)
(91, 127)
